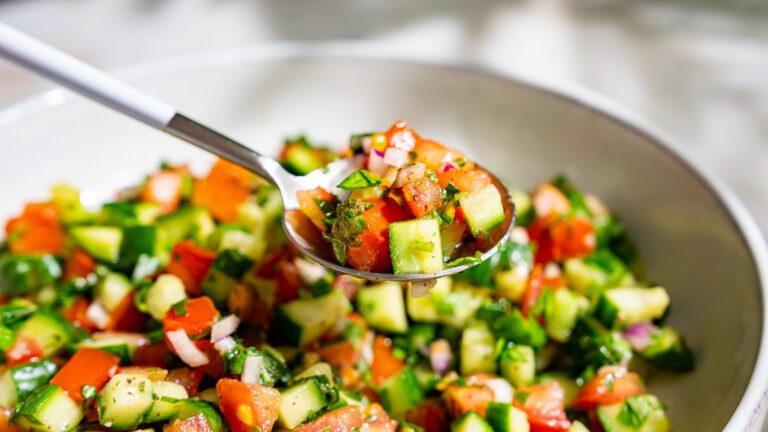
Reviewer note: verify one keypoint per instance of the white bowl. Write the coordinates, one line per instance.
(695, 237)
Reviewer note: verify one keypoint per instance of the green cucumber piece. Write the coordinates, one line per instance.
(578, 426)
(111, 290)
(126, 214)
(124, 401)
(299, 402)
(138, 241)
(471, 422)
(165, 292)
(483, 210)
(225, 272)
(562, 310)
(503, 417)
(19, 381)
(524, 213)
(304, 320)
(567, 383)
(518, 364)
(164, 394)
(401, 392)
(643, 413)
(189, 222)
(668, 350)
(48, 409)
(22, 274)
(317, 369)
(415, 247)
(622, 307)
(67, 199)
(514, 327)
(451, 304)
(101, 242)
(187, 408)
(49, 330)
(477, 350)
(383, 308)
(592, 345)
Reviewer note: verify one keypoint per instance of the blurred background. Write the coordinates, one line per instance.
(699, 70)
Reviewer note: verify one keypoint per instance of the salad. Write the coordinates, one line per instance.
(180, 307)
(414, 206)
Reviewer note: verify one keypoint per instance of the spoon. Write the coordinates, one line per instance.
(102, 88)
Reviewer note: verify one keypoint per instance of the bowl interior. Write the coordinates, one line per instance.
(688, 240)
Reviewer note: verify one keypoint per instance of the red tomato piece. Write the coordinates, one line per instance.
(465, 180)
(373, 253)
(430, 153)
(164, 188)
(89, 366)
(549, 202)
(545, 405)
(339, 353)
(200, 316)
(24, 350)
(79, 265)
(36, 230)
(288, 282)
(430, 415)
(76, 313)
(401, 135)
(422, 196)
(187, 377)
(224, 190)
(532, 290)
(196, 423)
(463, 399)
(5, 420)
(190, 263)
(572, 238)
(126, 317)
(377, 420)
(612, 384)
(342, 419)
(385, 364)
(308, 205)
(155, 354)
(538, 232)
(246, 406)
(267, 268)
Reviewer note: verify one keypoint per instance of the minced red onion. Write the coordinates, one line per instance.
(376, 162)
(225, 345)
(224, 327)
(639, 335)
(187, 351)
(440, 356)
(98, 315)
(252, 369)
(449, 166)
(410, 173)
(501, 388)
(395, 157)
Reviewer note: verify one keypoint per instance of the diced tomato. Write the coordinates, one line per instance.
(549, 202)
(36, 230)
(612, 384)
(465, 180)
(339, 353)
(385, 364)
(151, 373)
(243, 302)
(422, 196)
(248, 406)
(155, 354)
(343, 419)
(545, 405)
(377, 420)
(401, 135)
(224, 190)
(463, 399)
(430, 153)
(196, 423)
(24, 350)
(5, 420)
(164, 188)
(532, 290)
(430, 415)
(190, 263)
(288, 282)
(308, 203)
(79, 265)
(89, 366)
(126, 317)
(200, 316)
(373, 253)
(572, 238)
(77, 314)
(188, 378)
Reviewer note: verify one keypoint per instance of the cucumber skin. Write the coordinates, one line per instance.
(471, 422)
(48, 329)
(401, 392)
(188, 407)
(383, 308)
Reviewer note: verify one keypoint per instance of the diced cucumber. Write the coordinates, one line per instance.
(224, 274)
(67, 199)
(471, 422)
(401, 392)
(524, 213)
(668, 350)
(592, 345)
(26, 274)
(578, 426)
(503, 417)
(621, 307)
(567, 383)
(563, 309)
(111, 290)
(414, 246)
(408, 427)
(101, 242)
(124, 401)
(304, 320)
(582, 277)
(49, 330)
(477, 349)
(187, 408)
(189, 222)
(348, 398)
(483, 210)
(164, 394)
(449, 303)
(518, 364)
(236, 237)
(48, 409)
(125, 214)
(383, 307)
(643, 413)
(511, 283)
(299, 402)
(138, 241)
(317, 369)
(19, 381)
(163, 294)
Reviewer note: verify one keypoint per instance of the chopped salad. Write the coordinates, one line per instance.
(179, 306)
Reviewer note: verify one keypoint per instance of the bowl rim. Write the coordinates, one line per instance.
(755, 396)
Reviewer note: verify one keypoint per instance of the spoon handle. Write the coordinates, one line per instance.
(90, 82)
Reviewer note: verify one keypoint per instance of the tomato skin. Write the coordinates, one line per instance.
(190, 263)
(288, 282)
(612, 384)
(76, 313)
(342, 419)
(196, 423)
(422, 196)
(246, 406)
(430, 415)
(572, 238)
(308, 205)
(201, 314)
(545, 407)
(79, 265)
(532, 290)
(464, 180)
(377, 420)
(164, 188)
(549, 202)
(126, 317)
(224, 190)
(36, 230)
(384, 364)
(155, 354)
(338, 354)
(373, 253)
(463, 399)
(24, 350)
(88, 366)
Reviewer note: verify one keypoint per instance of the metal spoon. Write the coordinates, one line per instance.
(102, 88)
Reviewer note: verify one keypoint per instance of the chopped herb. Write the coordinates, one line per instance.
(360, 179)
(180, 308)
(522, 397)
(348, 227)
